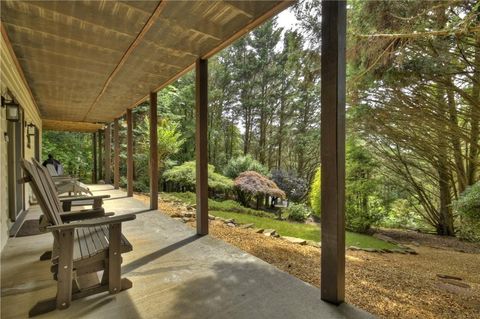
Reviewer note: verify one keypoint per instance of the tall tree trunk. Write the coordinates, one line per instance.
(472, 163)
(445, 220)
(455, 140)
(281, 121)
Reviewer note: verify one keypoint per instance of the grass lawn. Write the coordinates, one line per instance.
(230, 209)
(305, 231)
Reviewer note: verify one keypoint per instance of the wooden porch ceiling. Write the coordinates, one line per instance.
(88, 61)
(69, 126)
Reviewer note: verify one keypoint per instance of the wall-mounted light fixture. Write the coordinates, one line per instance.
(13, 112)
(31, 128)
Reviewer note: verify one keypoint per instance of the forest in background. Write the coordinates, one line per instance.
(413, 111)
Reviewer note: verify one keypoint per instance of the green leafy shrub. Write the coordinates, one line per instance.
(189, 198)
(468, 208)
(315, 193)
(243, 164)
(184, 175)
(298, 212)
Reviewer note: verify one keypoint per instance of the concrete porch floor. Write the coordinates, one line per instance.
(175, 274)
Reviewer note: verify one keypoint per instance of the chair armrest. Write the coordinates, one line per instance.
(84, 214)
(79, 198)
(94, 222)
(67, 202)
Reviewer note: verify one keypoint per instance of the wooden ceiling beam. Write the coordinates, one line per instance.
(158, 10)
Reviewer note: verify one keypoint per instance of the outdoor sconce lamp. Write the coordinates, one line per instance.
(13, 112)
(31, 128)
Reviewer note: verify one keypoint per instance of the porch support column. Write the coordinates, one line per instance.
(129, 153)
(94, 155)
(100, 156)
(107, 145)
(333, 80)
(201, 114)
(153, 152)
(116, 155)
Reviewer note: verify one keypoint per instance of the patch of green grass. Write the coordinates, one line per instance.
(230, 209)
(304, 231)
(225, 205)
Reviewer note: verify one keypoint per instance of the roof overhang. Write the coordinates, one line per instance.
(70, 126)
(88, 61)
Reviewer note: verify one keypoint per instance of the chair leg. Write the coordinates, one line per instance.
(114, 259)
(65, 265)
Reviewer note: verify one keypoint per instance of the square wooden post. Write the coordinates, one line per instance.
(94, 158)
(129, 153)
(100, 155)
(201, 122)
(333, 81)
(116, 155)
(153, 152)
(107, 144)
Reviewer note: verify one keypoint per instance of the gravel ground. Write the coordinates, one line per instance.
(387, 285)
(429, 240)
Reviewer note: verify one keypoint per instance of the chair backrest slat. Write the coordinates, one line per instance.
(42, 193)
(48, 182)
(52, 170)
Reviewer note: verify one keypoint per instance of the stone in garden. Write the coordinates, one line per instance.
(186, 219)
(245, 226)
(229, 221)
(269, 232)
(211, 217)
(448, 277)
(295, 240)
(398, 250)
(456, 283)
(371, 250)
(384, 238)
(230, 224)
(177, 215)
(354, 248)
(314, 243)
(189, 214)
(260, 230)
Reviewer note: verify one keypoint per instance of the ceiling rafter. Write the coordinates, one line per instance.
(135, 43)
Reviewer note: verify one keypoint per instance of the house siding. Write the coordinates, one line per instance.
(11, 79)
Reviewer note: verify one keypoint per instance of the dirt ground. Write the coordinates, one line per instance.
(387, 285)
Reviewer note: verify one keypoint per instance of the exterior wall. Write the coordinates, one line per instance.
(11, 79)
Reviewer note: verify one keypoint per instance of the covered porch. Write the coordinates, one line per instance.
(175, 274)
(80, 67)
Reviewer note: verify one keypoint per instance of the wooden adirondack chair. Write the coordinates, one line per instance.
(80, 249)
(66, 183)
(96, 201)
